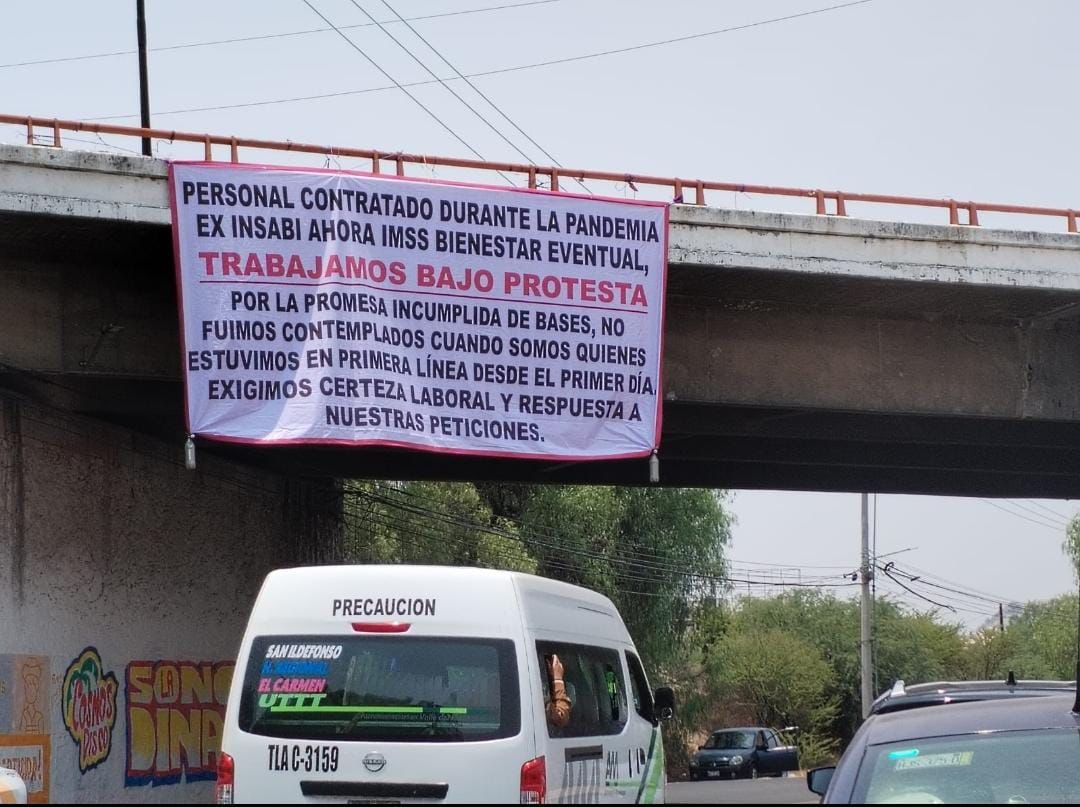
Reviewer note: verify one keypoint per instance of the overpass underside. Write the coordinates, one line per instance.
(801, 352)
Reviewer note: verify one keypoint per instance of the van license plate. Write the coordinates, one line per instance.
(372, 801)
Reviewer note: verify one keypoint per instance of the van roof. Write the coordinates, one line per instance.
(292, 593)
(464, 574)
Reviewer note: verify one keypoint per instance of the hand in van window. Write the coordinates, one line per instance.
(558, 703)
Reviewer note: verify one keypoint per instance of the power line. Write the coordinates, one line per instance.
(914, 600)
(263, 37)
(963, 601)
(1054, 527)
(476, 89)
(648, 560)
(555, 536)
(499, 71)
(504, 558)
(636, 570)
(673, 41)
(443, 83)
(892, 567)
(591, 555)
(639, 566)
(916, 593)
(790, 566)
(969, 594)
(671, 563)
(415, 100)
(1055, 519)
(663, 562)
(965, 592)
(1050, 510)
(529, 533)
(925, 574)
(441, 539)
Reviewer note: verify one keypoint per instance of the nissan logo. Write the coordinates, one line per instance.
(374, 762)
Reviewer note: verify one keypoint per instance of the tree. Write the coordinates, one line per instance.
(1041, 641)
(831, 625)
(910, 646)
(429, 523)
(1071, 545)
(656, 552)
(987, 654)
(916, 646)
(781, 680)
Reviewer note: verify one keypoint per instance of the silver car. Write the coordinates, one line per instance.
(1021, 751)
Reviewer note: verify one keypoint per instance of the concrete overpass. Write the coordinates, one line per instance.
(802, 352)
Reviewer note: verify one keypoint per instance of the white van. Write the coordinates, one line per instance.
(402, 684)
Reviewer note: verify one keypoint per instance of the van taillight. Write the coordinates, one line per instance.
(533, 781)
(224, 788)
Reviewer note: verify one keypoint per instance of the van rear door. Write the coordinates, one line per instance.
(380, 717)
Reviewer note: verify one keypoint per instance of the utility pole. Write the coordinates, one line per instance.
(144, 77)
(865, 639)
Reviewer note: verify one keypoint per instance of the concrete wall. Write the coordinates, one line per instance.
(113, 554)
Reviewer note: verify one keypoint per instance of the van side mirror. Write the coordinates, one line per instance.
(818, 780)
(664, 703)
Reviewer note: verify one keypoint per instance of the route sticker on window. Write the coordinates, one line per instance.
(957, 759)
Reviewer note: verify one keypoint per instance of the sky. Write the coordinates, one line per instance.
(971, 99)
(1001, 550)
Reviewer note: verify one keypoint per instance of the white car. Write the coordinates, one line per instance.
(12, 787)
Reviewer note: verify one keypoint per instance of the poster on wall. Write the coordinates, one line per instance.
(28, 754)
(25, 721)
(348, 309)
(175, 714)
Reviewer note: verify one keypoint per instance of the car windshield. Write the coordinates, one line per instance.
(731, 739)
(1013, 767)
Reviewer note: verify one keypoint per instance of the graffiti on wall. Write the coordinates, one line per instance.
(24, 721)
(175, 712)
(24, 681)
(88, 700)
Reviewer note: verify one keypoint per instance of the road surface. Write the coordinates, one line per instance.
(789, 790)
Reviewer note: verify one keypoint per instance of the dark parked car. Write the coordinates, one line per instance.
(998, 751)
(743, 752)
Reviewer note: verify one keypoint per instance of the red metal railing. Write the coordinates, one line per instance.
(532, 172)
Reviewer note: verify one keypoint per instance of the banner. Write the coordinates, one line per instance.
(337, 308)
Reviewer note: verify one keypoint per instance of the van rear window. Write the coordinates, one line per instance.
(381, 688)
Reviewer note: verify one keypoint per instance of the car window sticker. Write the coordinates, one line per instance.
(956, 759)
